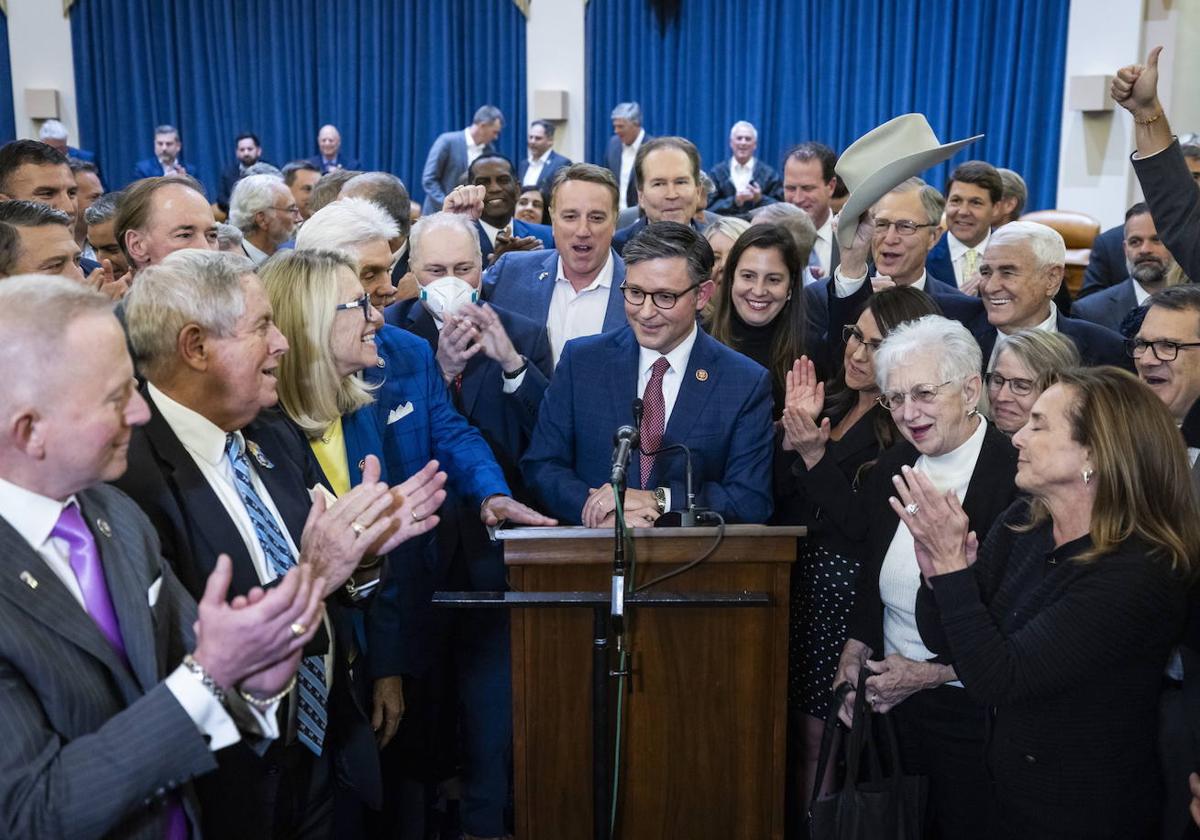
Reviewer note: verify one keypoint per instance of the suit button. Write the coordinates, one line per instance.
(161, 792)
(1030, 759)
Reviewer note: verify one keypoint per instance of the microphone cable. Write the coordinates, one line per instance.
(692, 563)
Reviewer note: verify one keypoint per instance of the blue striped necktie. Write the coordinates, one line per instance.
(311, 718)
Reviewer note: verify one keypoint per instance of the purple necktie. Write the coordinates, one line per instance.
(85, 563)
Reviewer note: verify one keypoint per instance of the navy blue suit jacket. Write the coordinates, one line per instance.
(339, 162)
(939, 264)
(827, 313)
(523, 282)
(722, 414)
(411, 421)
(151, 168)
(554, 162)
(1107, 307)
(621, 237)
(723, 199)
(1174, 205)
(612, 160)
(1106, 265)
(520, 227)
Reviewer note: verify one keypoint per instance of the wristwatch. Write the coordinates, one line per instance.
(660, 499)
(518, 371)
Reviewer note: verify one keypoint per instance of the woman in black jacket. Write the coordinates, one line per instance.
(1063, 626)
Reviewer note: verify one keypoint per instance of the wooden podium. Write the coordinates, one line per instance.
(705, 715)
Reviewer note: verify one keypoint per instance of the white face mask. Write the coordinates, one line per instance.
(446, 295)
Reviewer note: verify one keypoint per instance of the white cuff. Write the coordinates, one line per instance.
(846, 286)
(512, 385)
(210, 716)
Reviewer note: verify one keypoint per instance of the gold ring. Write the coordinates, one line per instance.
(298, 629)
(357, 527)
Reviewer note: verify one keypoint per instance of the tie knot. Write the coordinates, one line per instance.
(660, 367)
(71, 528)
(233, 447)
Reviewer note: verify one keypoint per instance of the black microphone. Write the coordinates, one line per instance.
(624, 442)
(690, 517)
(637, 413)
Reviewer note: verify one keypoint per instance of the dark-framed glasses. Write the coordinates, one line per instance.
(924, 394)
(363, 303)
(1164, 351)
(1020, 387)
(850, 331)
(904, 227)
(663, 300)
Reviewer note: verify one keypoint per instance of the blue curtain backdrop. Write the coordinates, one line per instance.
(831, 70)
(8, 119)
(391, 75)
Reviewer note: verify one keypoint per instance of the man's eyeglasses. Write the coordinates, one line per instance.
(662, 300)
(924, 394)
(904, 227)
(850, 331)
(363, 303)
(1164, 351)
(1020, 387)
(291, 210)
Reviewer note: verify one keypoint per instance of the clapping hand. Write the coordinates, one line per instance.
(105, 281)
(942, 535)
(491, 336)
(506, 242)
(804, 399)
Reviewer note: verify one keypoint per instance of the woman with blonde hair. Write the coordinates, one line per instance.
(1027, 363)
(1061, 622)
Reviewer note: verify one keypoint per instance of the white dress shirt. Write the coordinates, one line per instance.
(257, 256)
(628, 153)
(846, 286)
(824, 244)
(1050, 325)
(34, 516)
(958, 256)
(1139, 292)
(900, 576)
(474, 149)
(574, 314)
(741, 176)
(492, 232)
(677, 360)
(536, 165)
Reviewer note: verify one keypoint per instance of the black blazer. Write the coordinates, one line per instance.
(1174, 204)
(1069, 656)
(867, 519)
(554, 162)
(723, 198)
(194, 528)
(612, 159)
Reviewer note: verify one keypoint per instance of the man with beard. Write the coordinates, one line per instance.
(499, 232)
(249, 151)
(1148, 262)
(263, 209)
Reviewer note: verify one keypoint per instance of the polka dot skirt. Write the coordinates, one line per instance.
(821, 598)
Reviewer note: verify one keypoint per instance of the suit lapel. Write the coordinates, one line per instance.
(485, 244)
(361, 433)
(700, 381)
(614, 315)
(543, 284)
(290, 500)
(52, 605)
(622, 389)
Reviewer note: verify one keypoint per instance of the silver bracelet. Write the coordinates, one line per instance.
(205, 678)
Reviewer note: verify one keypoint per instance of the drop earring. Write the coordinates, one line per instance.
(1088, 472)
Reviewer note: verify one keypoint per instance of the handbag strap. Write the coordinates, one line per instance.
(858, 726)
(827, 736)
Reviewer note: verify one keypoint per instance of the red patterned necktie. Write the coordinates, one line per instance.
(654, 415)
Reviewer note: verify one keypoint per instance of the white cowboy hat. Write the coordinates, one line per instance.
(884, 158)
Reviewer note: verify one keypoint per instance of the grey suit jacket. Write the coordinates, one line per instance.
(445, 168)
(90, 749)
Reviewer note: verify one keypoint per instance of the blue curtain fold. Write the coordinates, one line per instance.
(8, 117)
(391, 75)
(831, 71)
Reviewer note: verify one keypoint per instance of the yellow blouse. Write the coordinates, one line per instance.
(331, 455)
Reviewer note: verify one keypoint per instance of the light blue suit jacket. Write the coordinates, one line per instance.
(523, 282)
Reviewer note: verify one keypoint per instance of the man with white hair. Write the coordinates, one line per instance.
(263, 209)
(389, 192)
(54, 133)
(330, 157)
(214, 476)
(628, 137)
(743, 182)
(363, 230)
(496, 364)
(118, 691)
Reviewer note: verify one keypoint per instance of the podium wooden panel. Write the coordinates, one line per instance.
(704, 742)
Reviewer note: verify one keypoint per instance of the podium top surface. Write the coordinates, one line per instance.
(576, 532)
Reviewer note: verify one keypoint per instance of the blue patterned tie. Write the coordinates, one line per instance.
(311, 718)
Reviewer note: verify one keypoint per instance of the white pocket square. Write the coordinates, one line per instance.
(399, 412)
(155, 588)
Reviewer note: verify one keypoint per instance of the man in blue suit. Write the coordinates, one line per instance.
(330, 157)
(542, 163)
(573, 290)
(693, 390)
(454, 151)
(54, 134)
(667, 171)
(498, 231)
(628, 137)
(1148, 262)
(743, 182)
(971, 193)
(167, 146)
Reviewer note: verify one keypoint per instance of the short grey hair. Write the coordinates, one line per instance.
(52, 130)
(746, 125)
(486, 114)
(262, 168)
(252, 195)
(1045, 243)
(228, 237)
(951, 346)
(345, 223)
(442, 223)
(1012, 185)
(103, 209)
(730, 226)
(167, 128)
(932, 201)
(631, 111)
(187, 287)
(386, 190)
(798, 223)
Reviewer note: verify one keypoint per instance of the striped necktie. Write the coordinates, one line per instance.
(311, 718)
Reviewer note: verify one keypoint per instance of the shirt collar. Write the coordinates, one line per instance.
(637, 140)
(1139, 292)
(677, 358)
(603, 279)
(256, 255)
(197, 433)
(31, 514)
(957, 248)
(542, 159)
(825, 231)
(492, 231)
(749, 167)
(471, 144)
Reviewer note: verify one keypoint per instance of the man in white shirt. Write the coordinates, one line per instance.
(101, 663)
(808, 182)
(972, 193)
(542, 163)
(454, 151)
(742, 183)
(628, 137)
(263, 209)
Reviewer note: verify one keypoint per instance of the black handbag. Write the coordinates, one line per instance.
(870, 805)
